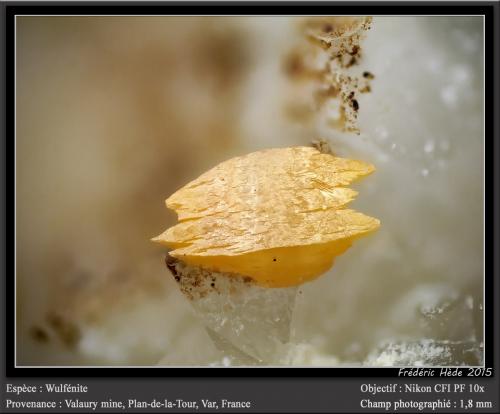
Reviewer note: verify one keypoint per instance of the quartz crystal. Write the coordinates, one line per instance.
(249, 323)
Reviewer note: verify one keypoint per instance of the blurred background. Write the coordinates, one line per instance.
(116, 113)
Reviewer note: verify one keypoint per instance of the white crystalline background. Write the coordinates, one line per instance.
(412, 294)
(415, 287)
(152, 113)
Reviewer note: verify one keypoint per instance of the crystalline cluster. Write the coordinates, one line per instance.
(426, 352)
(279, 216)
(446, 321)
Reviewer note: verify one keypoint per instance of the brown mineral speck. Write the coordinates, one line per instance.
(368, 75)
(322, 146)
(294, 65)
(67, 331)
(351, 62)
(39, 335)
(322, 95)
(327, 28)
(212, 284)
(366, 89)
(323, 44)
(355, 104)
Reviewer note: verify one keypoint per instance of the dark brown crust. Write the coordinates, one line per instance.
(196, 282)
(341, 38)
(171, 262)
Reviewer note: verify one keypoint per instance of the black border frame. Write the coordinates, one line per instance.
(488, 9)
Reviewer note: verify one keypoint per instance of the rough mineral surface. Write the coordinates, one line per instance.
(249, 323)
(278, 216)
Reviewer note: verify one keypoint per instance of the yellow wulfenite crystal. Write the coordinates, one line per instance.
(278, 216)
